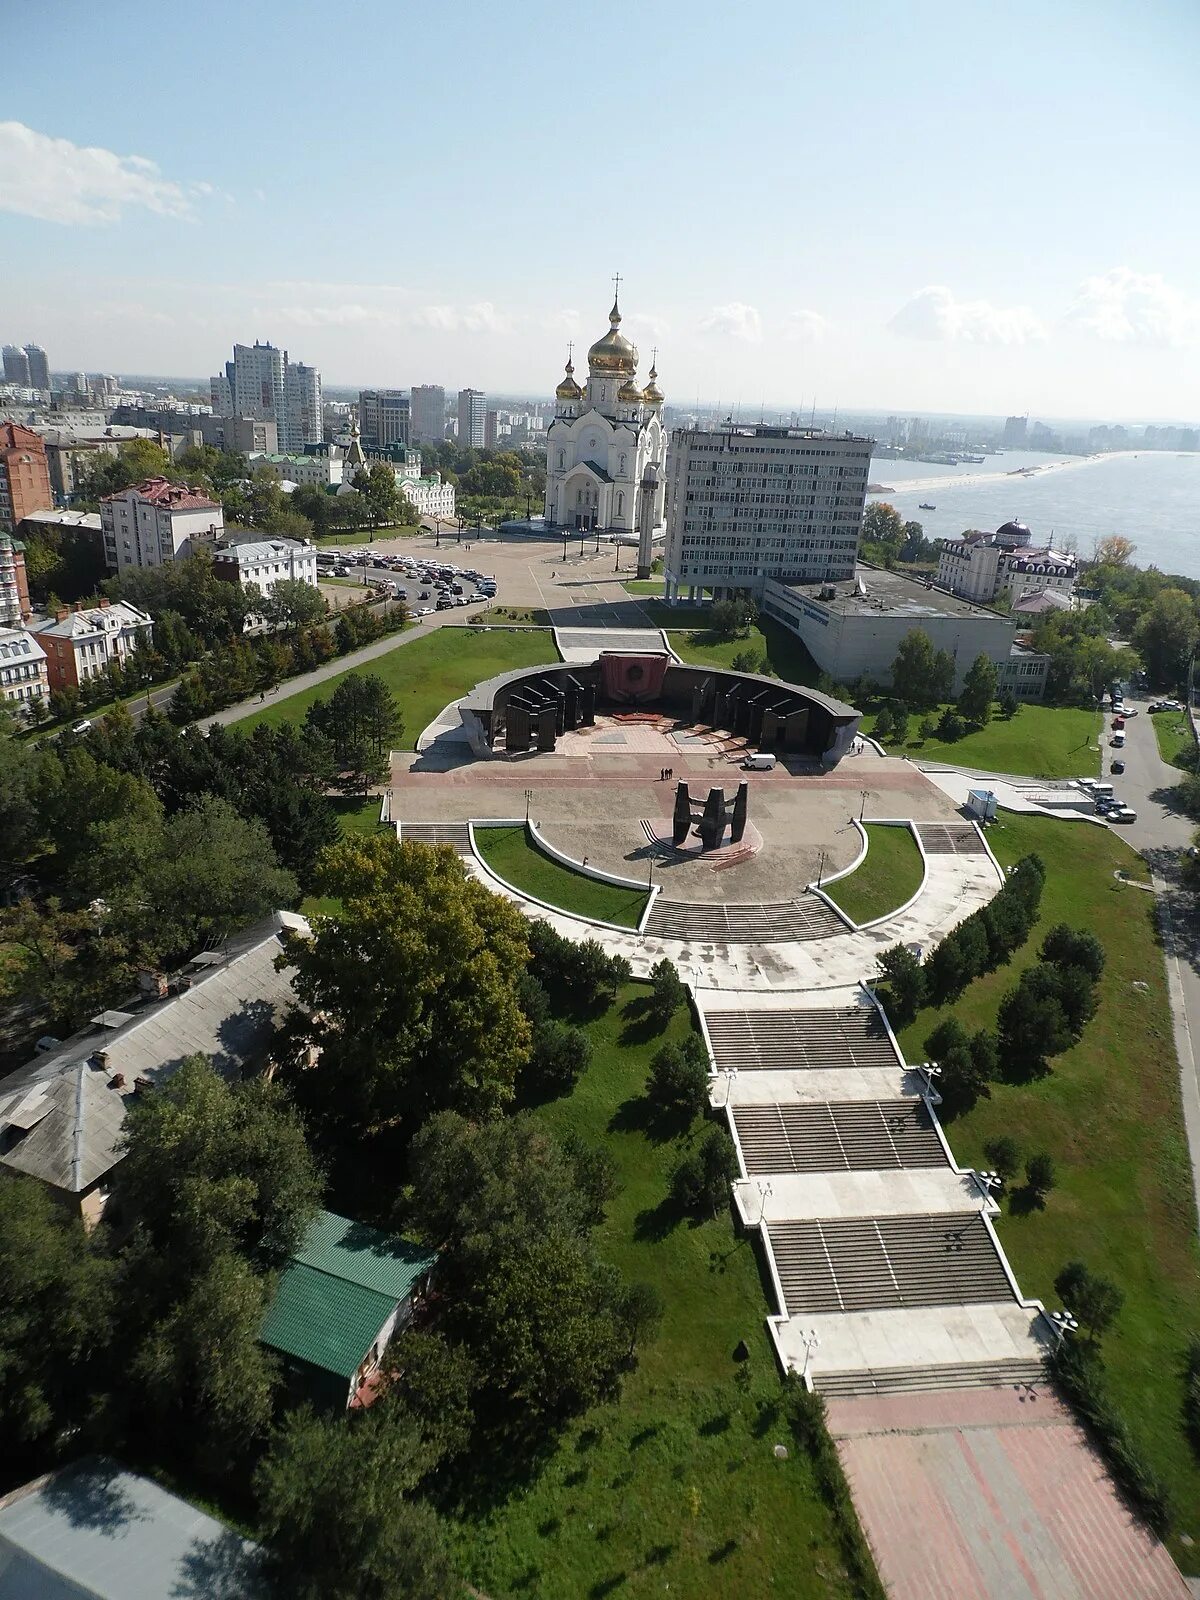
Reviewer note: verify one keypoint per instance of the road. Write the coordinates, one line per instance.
(1160, 834)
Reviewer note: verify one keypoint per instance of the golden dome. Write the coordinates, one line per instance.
(613, 353)
(652, 394)
(568, 389)
(629, 394)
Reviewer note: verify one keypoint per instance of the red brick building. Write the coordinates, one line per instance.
(24, 475)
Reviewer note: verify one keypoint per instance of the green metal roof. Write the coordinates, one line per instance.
(325, 1321)
(341, 1286)
(367, 1256)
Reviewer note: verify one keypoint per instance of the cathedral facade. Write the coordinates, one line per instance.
(606, 448)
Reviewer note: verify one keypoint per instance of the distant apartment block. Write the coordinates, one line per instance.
(16, 366)
(428, 410)
(1014, 432)
(491, 429)
(14, 585)
(748, 504)
(260, 382)
(39, 368)
(471, 417)
(156, 522)
(80, 644)
(239, 435)
(23, 677)
(384, 418)
(24, 475)
(266, 562)
(305, 423)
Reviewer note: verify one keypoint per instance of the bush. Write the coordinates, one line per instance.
(1008, 703)
(1079, 1374)
(883, 723)
(905, 978)
(1074, 947)
(928, 729)
(1005, 1156)
(667, 992)
(1094, 1302)
(560, 1055)
(964, 1062)
(678, 1080)
(701, 1180)
(951, 726)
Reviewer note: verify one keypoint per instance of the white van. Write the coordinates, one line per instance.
(1102, 791)
(764, 761)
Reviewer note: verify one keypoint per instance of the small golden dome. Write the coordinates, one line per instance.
(652, 394)
(568, 389)
(613, 353)
(629, 394)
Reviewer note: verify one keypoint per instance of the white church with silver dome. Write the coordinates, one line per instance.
(606, 448)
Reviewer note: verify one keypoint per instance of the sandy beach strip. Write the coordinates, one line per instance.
(971, 480)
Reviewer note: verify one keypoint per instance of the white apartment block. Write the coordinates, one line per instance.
(305, 425)
(81, 643)
(312, 471)
(472, 412)
(266, 562)
(982, 566)
(747, 504)
(428, 413)
(23, 676)
(158, 521)
(260, 382)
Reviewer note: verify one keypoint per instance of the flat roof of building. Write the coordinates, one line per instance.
(768, 430)
(890, 592)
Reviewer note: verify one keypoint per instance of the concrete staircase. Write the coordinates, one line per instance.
(837, 1136)
(455, 833)
(951, 839)
(917, 1380)
(791, 1041)
(706, 922)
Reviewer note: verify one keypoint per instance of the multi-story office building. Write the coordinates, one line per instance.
(471, 415)
(16, 366)
(384, 419)
(157, 522)
(39, 368)
(303, 405)
(261, 383)
(239, 435)
(428, 413)
(751, 503)
(24, 475)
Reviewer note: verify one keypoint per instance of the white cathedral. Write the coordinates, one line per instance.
(606, 448)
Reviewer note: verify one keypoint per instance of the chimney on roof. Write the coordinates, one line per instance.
(61, 614)
(100, 1059)
(117, 1081)
(104, 604)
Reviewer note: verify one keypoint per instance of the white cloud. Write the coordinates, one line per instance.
(479, 318)
(935, 313)
(734, 321)
(1126, 307)
(57, 181)
(805, 325)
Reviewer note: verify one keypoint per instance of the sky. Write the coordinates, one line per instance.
(930, 206)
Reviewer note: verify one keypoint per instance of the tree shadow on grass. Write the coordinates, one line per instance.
(640, 1114)
(1023, 1202)
(642, 1022)
(656, 1223)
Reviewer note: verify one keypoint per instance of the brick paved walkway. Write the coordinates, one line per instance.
(993, 1493)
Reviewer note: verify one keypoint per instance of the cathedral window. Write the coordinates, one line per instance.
(560, 460)
(622, 466)
(621, 497)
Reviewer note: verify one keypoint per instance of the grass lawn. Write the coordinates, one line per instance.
(1039, 742)
(641, 586)
(532, 616)
(427, 675)
(702, 647)
(888, 877)
(523, 865)
(1175, 743)
(1109, 1115)
(674, 1488)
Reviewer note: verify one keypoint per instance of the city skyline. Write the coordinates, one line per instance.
(928, 225)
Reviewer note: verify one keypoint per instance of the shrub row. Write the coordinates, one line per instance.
(805, 1411)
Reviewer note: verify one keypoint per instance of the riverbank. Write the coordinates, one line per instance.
(975, 480)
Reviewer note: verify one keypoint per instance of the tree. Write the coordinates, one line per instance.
(380, 493)
(1039, 1176)
(883, 524)
(1032, 1024)
(1167, 635)
(921, 676)
(641, 1314)
(55, 1313)
(962, 1082)
(582, 976)
(667, 992)
(749, 661)
(409, 990)
(176, 886)
(949, 967)
(361, 713)
(732, 619)
(1008, 703)
(135, 461)
(1074, 947)
(431, 1383)
(951, 726)
(1114, 551)
(1005, 1155)
(905, 978)
(700, 1183)
(884, 723)
(560, 1057)
(211, 1167)
(336, 1520)
(978, 691)
(900, 722)
(294, 604)
(1093, 1301)
(678, 1081)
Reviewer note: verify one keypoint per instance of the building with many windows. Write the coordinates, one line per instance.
(81, 644)
(16, 366)
(39, 368)
(428, 413)
(983, 566)
(318, 470)
(426, 491)
(472, 410)
(384, 418)
(14, 584)
(156, 522)
(24, 680)
(260, 382)
(266, 562)
(748, 504)
(24, 475)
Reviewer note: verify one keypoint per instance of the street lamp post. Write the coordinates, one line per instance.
(528, 798)
(862, 810)
(931, 1071)
(764, 1193)
(1063, 1323)
(820, 869)
(811, 1341)
(988, 1181)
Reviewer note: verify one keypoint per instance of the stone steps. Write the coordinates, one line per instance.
(790, 1041)
(455, 833)
(707, 922)
(1016, 1372)
(837, 1136)
(951, 839)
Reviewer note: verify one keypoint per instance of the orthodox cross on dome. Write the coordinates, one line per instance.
(614, 315)
(654, 362)
(570, 351)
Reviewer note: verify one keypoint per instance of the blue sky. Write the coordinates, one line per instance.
(961, 207)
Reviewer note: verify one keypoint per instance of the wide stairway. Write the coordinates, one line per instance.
(918, 1380)
(868, 1264)
(455, 833)
(951, 839)
(838, 1136)
(707, 922)
(791, 1041)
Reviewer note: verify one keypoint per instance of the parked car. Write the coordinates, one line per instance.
(460, 599)
(1118, 722)
(82, 727)
(445, 605)
(1123, 814)
(424, 595)
(424, 611)
(1116, 766)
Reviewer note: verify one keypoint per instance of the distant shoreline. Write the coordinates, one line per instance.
(971, 480)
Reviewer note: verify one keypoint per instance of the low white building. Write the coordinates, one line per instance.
(316, 471)
(854, 628)
(24, 680)
(81, 644)
(425, 491)
(983, 566)
(266, 562)
(156, 522)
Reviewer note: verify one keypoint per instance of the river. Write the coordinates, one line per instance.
(1149, 496)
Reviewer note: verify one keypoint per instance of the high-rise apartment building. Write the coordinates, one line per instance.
(384, 418)
(428, 409)
(16, 366)
(491, 429)
(261, 383)
(24, 475)
(471, 415)
(751, 503)
(39, 367)
(1014, 431)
